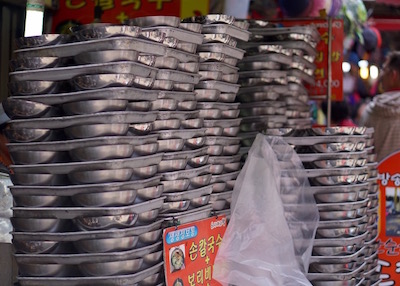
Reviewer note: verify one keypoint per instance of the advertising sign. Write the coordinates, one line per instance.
(78, 12)
(190, 250)
(321, 60)
(389, 219)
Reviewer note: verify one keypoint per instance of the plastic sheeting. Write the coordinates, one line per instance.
(6, 203)
(269, 239)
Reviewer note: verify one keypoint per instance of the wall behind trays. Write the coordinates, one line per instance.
(12, 14)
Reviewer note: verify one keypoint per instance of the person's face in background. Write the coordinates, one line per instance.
(389, 78)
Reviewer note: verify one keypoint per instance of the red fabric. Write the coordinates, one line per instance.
(347, 122)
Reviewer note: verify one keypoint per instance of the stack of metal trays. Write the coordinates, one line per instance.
(371, 272)
(184, 169)
(88, 191)
(343, 180)
(216, 93)
(277, 63)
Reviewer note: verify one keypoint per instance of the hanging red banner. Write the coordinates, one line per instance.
(190, 250)
(78, 12)
(389, 219)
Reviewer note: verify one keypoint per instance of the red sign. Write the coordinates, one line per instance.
(321, 60)
(190, 251)
(78, 12)
(389, 218)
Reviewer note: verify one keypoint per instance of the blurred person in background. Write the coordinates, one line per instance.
(340, 113)
(383, 112)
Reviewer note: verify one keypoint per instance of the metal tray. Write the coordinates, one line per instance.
(66, 73)
(117, 43)
(194, 27)
(79, 258)
(33, 87)
(40, 41)
(224, 68)
(117, 93)
(35, 63)
(223, 87)
(219, 38)
(188, 216)
(77, 212)
(185, 174)
(96, 57)
(188, 195)
(71, 167)
(179, 34)
(223, 49)
(230, 30)
(103, 30)
(81, 281)
(154, 21)
(337, 130)
(177, 76)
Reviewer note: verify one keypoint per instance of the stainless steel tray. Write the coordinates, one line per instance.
(224, 177)
(77, 212)
(224, 68)
(340, 241)
(179, 34)
(82, 143)
(123, 93)
(224, 124)
(217, 105)
(100, 280)
(117, 43)
(181, 134)
(153, 21)
(188, 216)
(35, 63)
(221, 140)
(230, 30)
(85, 235)
(107, 56)
(313, 140)
(338, 258)
(341, 277)
(308, 34)
(177, 76)
(223, 49)
(337, 130)
(188, 195)
(259, 65)
(78, 258)
(255, 81)
(224, 87)
(185, 174)
(40, 41)
(67, 121)
(66, 73)
(219, 38)
(67, 168)
(103, 30)
(194, 27)
(33, 87)
(211, 19)
(97, 81)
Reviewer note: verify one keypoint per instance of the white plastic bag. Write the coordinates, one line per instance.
(6, 203)
(259, 248)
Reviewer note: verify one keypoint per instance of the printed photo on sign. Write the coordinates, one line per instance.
(177, 261)
(390, 183)
(178, 282)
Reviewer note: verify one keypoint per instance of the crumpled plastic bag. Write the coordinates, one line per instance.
(6, 203)
(268, 240)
